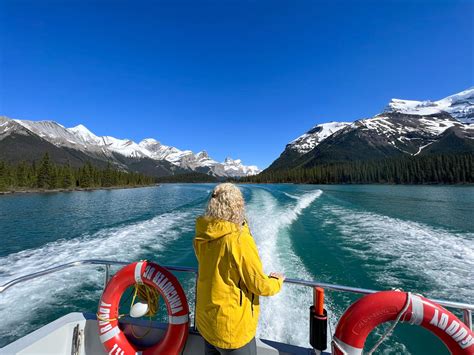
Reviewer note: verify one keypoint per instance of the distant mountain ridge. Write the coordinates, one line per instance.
(406, 127)
(27, 140)
(460, 106)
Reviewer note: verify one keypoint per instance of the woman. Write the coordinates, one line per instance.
(231, 277)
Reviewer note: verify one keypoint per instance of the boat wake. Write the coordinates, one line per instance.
(52, 295)
(391, 247)
(393, 252)
(284, 316)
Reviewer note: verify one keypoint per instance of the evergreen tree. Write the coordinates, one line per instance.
(85, 176)
(3, 176)
(22, 174)
(108, 176)
(67, 177)
(44, 178)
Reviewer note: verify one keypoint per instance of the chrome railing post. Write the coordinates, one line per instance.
(107, 274)
(195, 300)
(467, 318)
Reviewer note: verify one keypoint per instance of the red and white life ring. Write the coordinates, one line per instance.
(368, 312)
(113, 339)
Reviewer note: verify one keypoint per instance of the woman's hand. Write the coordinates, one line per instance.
(277, 275)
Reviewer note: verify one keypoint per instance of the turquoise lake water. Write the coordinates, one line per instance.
(417, 238)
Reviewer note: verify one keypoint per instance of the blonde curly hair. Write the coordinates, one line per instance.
(227, 203)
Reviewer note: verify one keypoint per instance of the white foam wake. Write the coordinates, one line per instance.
(19, 305)
(284, 317)
(394, 247)
(294, 197)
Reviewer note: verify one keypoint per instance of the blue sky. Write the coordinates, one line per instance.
(237, 78)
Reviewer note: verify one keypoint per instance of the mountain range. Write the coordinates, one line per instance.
(405, 128)
(30, 140)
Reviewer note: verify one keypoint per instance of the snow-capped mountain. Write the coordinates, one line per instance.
(84, 135)
(406, 127)
(9, 127)
(160, 151)
(408, 133)
(80, 138)
(306, 142)
(236, 168)
(460, 106)
(201, 161)
(17, 143)
(124, 152)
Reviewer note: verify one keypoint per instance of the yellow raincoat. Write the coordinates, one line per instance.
(231, 279)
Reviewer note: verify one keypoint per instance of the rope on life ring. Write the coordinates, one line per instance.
(368, 312)
(151, 275)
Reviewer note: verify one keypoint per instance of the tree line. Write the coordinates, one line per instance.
(194, 177)
(428, 169)
(47, 175)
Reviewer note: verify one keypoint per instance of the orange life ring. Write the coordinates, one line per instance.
(364, 315)
(113, 339)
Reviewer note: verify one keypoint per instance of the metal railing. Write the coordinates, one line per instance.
(466, 308)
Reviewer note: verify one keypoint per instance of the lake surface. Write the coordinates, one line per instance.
(417, 238)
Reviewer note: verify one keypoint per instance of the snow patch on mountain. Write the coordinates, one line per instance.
(159, 151)
(460, 106)
(51, 131)
(315, 135)
(8, 127)
(388, 125)
(84, 135)
(409, 133)
(236, 168)
(126, 147)
(200, 161)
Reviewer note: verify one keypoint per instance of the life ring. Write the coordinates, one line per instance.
(368, 312)
(113, 339)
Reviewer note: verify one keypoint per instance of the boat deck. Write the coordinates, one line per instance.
(58, 337)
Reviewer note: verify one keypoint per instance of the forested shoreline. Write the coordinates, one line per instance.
(194, 177)
(435, 169)
(46, 175)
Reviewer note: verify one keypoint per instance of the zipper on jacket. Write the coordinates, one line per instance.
(240, 293)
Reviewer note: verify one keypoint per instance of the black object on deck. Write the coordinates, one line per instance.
(318, 329)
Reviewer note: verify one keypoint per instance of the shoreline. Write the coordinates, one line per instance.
(85, 189)
(356, 183)
(76, 189)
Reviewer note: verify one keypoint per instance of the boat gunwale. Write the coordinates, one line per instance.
(466, 308)
(300, 282)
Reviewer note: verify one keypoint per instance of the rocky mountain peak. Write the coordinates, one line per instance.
(406, 127)
(315, 135)
(202, 155)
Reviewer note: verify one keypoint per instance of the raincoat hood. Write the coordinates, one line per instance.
(208, 229)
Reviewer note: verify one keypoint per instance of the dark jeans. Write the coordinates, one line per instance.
(248, 349)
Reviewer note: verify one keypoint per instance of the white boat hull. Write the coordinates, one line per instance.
(57, 337)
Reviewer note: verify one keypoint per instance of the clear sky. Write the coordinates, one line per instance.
(237, 78)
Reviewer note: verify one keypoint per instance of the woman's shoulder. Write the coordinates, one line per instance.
(242, 235)
(201, 217)
(245, 228)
